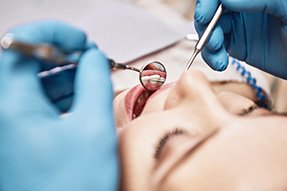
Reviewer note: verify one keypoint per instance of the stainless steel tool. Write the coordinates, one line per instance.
(152, 75)
(202, 40)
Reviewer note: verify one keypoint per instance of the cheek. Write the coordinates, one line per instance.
(136, 143)
(121, 117)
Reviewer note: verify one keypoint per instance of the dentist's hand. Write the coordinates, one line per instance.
(254, 31)
(39, 150)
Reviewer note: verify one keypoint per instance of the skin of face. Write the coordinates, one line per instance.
(220, 145)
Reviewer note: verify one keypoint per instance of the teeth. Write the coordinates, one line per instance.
(153, 82)
(153, 78)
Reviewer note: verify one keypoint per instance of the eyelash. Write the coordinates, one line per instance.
(249, 110)
(163, 140)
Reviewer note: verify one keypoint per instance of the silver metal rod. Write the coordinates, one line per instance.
(56, 70)
(122, 66)
(192, 58)
(210, 28)
(202, 40)
(53, 55)
(49, 53)
(133, 68)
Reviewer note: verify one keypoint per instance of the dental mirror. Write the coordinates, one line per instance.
(153, 75)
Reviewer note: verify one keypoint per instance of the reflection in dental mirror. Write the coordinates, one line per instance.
(153, 76)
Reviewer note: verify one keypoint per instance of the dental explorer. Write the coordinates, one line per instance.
(152, 75)
(202, 40)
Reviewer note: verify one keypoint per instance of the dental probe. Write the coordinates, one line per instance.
(202, 40)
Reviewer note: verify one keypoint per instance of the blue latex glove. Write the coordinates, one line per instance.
(254, 31)
(40, 150)
(59, 88)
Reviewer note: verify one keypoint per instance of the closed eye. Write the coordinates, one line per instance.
(249, 110)
(164, 139)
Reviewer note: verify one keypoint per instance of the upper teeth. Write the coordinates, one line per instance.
(153, 78)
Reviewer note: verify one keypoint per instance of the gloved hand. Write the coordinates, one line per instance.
(254, 31)
(40, 150)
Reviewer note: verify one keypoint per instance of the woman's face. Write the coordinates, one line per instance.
(190, 137)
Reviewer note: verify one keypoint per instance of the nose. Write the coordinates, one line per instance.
(194, 99)
(194, 94)
(193, 86)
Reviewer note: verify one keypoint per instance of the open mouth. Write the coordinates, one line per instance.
(140, 103)
(135, 101)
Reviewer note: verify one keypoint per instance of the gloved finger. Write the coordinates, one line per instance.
(276, 8)
(205, 10)
(217, 60)
(19, 70)
(59, 88)
(63, 36)
(93, 114)
(225, 22)
(20, 86)
(234, 31)
(216, 39)
(16, 68)
(199, 28)
(93, 95)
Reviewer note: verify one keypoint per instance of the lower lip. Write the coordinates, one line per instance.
(131, 98)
